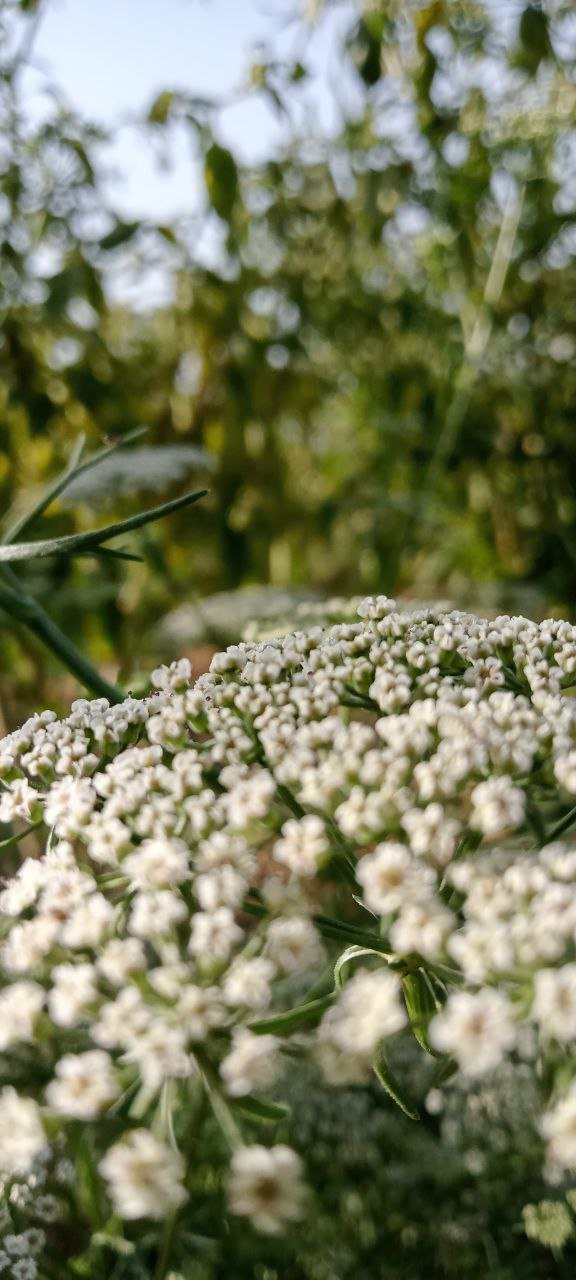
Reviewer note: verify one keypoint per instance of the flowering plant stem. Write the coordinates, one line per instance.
(17, 602)
(161, 1269)
(220, 1108)
(25, 609)
(329, 927)
(19, 835)
(561, 826)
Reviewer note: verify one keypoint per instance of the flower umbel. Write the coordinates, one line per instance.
(362, 813)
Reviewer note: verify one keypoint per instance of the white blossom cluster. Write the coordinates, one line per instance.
(386, 795)
(31, 1203)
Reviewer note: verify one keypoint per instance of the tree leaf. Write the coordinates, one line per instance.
(159, 112)
(120, 234)
(221, 177)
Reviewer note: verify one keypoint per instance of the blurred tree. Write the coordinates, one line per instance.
(380, 359)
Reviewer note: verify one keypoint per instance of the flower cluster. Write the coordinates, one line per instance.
(386, 795)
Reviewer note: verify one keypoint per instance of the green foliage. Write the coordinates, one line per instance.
(380, 362)
(221, 177)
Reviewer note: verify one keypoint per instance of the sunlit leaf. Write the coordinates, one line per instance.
(221, 177)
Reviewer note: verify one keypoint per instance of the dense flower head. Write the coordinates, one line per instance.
(391, 796)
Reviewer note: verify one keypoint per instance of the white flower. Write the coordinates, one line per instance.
(65, 887)
(266, 1186)
(389, 877)
(159, 1052)
(368, 1010)
(27, 943)
(88, 923)
(69, 805)
(156, 863)
(166, 832)
(21, 801)
(476, 1028)
(23, 888)
(565, 771)
(25, 1269)
(554, 1005)
(22, 1137)
(293, 945)
(23, 1243)
(84, 1085)
(121, 1020)
(423, 928)
(251, 1064)
(558, 1127)
(144, 1176)
(432, 834)
(250, 799)
(154, 914)
(497, 806)
(304, 845)
(222, 887)
(482, 949)
(20, 1004)
(214, 934)
(200, 1010)
(73, 991)
(248, 983)
(120, 958)
(176, 676)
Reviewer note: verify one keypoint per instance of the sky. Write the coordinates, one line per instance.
(111, 57)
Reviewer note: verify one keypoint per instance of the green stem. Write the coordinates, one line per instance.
(12, 840)
(161, 1268)
(220, 1108)
(560, 827)
(74, 469)
(16, 602)
(331, 928)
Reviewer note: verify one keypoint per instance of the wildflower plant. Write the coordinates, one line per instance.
(337, 839)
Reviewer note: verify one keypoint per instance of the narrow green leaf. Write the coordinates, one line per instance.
(421, 1005)
(112, 553)
(446, 1068)
(392, 1088)
(74, 469)
(561, 826)
(351, 953)
(167, 234)
(159, 112)
(221, 177)
(257, 1109)
(293, 1018)
(342, 929)
(221, 1107)
(73, 543)
(15, 839)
